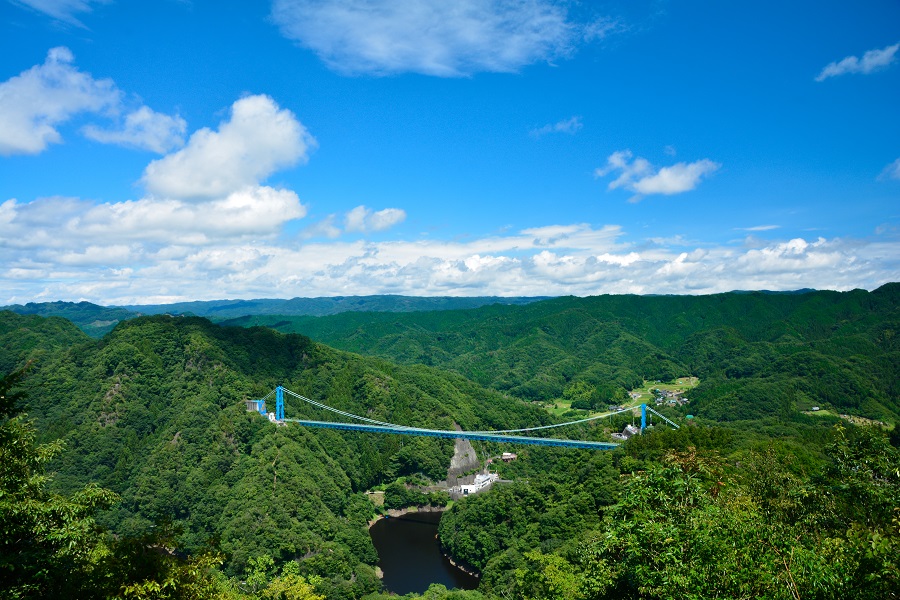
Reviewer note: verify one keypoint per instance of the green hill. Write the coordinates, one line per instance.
(93, 319)
(756, 353)
(331, 305)
(155, 412)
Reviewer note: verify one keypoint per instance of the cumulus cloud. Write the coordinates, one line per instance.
(446, 39)
(642, 178)
(258, 139)
(873, 60)
(361, 219)
(892, 171)
(69, 224)
(364, 220)
(570, 126)
(143, 129)
(151, 251)
(34, 103)
(62, 10)
(204, 230)
(563, 259)
(324, 228)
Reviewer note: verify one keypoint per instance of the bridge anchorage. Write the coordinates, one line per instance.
(372, 426)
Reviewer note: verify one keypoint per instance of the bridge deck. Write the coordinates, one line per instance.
(440, 433)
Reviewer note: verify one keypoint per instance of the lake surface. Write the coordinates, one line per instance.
(410, 557)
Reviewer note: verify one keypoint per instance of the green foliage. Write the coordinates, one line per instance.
(691, 527)
(754, 498)
(435, 591)
(154, 412)
(48, 542)
(398, 495)
(757, 354)
(563, 496)
(96, 321)
(51, 545)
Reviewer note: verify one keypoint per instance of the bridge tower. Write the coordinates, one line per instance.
(643, 417)
(279, 403)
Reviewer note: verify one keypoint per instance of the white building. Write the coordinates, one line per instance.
(482, 482)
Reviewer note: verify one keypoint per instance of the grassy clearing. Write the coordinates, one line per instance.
(644, 393)
(638, 396)
(851, 418)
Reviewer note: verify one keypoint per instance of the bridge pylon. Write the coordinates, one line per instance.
(279, 403)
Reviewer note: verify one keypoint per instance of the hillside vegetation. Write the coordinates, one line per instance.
(97, 321)
(757, 354)
(331, 305)
(164, 486)
(155, 413)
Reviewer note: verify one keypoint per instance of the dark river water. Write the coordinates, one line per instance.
(409, 555)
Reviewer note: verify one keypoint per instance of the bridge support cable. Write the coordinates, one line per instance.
(259, 405)
(594, 418)
(669, 421)
(374, 426)
(452, 434)
(341, 412)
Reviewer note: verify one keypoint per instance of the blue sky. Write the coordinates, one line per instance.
(175, 150)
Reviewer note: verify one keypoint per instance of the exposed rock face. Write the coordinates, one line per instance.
(464, 459)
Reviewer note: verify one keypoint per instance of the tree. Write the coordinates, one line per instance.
(290, 585)
(49, 544)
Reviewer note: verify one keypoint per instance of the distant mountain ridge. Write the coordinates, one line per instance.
(96, 320)
(327, 305)
(757, 353)
(93, 319)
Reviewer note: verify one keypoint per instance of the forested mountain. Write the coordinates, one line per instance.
(756, 353)
(97, 321)
(93, 319)
(331, 305)
(155, 412)
(753, 498)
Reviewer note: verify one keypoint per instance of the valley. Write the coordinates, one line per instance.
(153, 417)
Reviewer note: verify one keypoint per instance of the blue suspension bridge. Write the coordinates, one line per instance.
(367, 425)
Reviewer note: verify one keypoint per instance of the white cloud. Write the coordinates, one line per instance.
(641, 177)
(759, 228)
(259, 139)
(873, 60)
(446, 39)
(34, 103)
(324, 228)
(144, 129)
(570, 126)
(892, 171)
(361, 219)
(678, 178)
(364, 220)
(70, 224)
(161, 241)
(62, 10)
(166, 250)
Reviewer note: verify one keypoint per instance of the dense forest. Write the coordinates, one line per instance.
(131, 468)
(97, 321)
(757, 354)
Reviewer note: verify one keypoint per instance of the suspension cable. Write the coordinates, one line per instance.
(344, 413)
(395, 426)
(594, 418)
